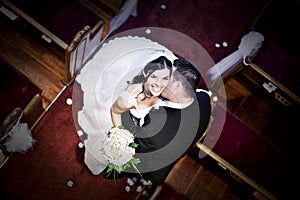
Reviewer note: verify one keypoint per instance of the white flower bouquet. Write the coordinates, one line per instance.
(118, 149)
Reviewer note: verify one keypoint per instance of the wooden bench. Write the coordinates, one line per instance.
(20, 99)
(16, 90)
(69, 24)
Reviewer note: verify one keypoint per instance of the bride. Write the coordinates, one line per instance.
(143, 92)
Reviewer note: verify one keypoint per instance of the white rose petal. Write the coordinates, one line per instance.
(69, 101)
(148, 31)
(127, 188)
(130, 182)
(163, 6)
(80, 145)
(139, 189)
(70, 183)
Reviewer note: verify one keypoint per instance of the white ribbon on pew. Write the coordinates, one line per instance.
(19, 138)
(250, 43)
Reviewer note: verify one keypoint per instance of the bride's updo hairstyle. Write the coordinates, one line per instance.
(158, 64)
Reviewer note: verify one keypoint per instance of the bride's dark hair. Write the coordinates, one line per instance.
(157, 64)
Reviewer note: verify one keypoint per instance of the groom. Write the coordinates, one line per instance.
(171, 131)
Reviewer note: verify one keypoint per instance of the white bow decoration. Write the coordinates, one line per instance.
(250, 43)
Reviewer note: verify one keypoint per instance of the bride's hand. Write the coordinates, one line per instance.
(134, 89)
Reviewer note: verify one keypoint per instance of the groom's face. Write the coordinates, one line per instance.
(168, 92)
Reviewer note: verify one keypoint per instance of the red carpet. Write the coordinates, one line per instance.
(43, 172)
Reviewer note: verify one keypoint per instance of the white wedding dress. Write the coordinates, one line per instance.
(102, 80)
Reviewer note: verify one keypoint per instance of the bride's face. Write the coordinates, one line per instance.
(157, 82)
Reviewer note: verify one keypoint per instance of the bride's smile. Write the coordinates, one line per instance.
(156, 88)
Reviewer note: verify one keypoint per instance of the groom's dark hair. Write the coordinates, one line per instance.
(187, 73)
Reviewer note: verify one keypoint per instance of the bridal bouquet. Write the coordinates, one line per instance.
(119, 149)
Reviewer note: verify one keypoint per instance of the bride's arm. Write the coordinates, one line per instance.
(123, 103)
(116, 110)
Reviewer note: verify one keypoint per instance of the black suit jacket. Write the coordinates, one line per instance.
(168, 134)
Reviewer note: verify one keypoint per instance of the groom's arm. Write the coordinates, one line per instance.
(142, 133)
(204, 103)
(160, 128)
(163, 125)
